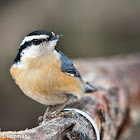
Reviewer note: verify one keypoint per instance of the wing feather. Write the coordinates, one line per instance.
(67, 66)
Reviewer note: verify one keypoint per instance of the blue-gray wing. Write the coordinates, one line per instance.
(67, 66)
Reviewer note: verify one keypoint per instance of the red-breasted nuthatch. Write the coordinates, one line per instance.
(45, 74)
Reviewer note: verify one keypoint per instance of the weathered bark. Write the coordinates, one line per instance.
(112, 107)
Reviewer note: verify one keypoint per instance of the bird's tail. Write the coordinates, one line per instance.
(89, 88)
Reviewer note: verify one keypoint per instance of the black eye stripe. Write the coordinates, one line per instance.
(22, 47)
(29, 43)
(38, 41)
(25, 45)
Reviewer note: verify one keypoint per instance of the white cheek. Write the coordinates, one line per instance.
(18, 65)
(35, 51)
(31, 52)
(51, 45)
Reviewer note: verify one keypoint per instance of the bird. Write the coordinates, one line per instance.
(46, 75)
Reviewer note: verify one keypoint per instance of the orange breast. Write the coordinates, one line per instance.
(42, 80)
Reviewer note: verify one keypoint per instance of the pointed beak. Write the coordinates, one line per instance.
(56, 38)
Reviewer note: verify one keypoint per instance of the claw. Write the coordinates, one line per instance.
(40, 119)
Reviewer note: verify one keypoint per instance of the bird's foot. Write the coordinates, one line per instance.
(54, 114)
(57, 110)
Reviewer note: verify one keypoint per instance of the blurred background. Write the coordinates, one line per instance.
(90, 29)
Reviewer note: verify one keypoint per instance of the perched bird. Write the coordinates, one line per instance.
(45, 74)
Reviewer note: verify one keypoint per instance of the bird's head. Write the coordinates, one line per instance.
(37, 43)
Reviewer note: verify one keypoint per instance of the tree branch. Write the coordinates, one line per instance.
(112, 107)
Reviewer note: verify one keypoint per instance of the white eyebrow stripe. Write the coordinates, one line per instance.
(29, 38)
(53, 33)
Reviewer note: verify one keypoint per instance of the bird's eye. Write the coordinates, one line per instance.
(36, 41)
